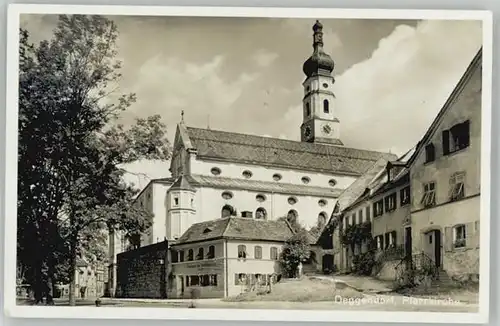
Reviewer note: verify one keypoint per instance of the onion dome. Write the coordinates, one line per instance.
(319, 62)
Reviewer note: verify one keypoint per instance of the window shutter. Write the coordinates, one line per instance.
(448, 239)
(446, 142)
(467, 132)
(472, 235)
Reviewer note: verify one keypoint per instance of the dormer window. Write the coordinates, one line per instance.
(430, 153)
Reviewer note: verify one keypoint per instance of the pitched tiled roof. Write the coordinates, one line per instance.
(275, 152)
(237, 228)
(263, 186)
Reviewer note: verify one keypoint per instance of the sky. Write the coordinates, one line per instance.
(245, 74)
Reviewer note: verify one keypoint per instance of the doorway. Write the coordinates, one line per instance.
(408, 244)
(433, 246)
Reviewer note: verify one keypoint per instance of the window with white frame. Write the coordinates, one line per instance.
(459, 236)
(242, 251)
(390, 202)
(429, 196)
(457, 186)
(405, 196)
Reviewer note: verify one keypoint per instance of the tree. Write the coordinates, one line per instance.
(295, 251)
(70, 147)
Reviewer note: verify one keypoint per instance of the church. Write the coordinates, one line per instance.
(217, 174)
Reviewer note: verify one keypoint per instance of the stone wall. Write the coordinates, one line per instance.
(463, 265)
(388, 270)
(142, 273)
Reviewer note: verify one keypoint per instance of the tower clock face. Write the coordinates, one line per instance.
(307, 132)
(327, 129)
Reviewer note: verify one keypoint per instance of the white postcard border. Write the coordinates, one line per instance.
(13, 310)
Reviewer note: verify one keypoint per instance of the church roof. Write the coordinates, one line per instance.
(263, 186)
(274, 152)
(237, 228)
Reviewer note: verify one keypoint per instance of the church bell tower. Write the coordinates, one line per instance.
(320, 123)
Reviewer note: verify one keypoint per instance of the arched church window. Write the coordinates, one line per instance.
(292, 200)
(322, 217)
(326, 106)
(308, 110)
(292, 216)
(215, 171)
(261, 213)
(228, 211)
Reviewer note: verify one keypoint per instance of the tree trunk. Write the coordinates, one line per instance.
(72, 271)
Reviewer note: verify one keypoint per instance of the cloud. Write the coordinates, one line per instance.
(390, 99)
(264, 58)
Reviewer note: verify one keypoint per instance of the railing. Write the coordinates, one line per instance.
(393, 252)
(412, 270)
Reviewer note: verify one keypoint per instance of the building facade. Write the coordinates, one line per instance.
(445, 181)
(226, 257)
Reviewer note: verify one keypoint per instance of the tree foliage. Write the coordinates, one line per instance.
(70, 187)
(295, 251)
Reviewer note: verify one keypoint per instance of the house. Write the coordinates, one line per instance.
(445, 181)
(227, 256)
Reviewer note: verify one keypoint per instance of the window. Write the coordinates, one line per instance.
(429, 197)
(292, 216)
(175, 256)
(368, 213)
(380, 242)
(247, 214)
(308, 110)
(274, 253)
(457, 186)
(404, 195)
(430, 153)
(360, 216)
(332, 182)
(260, 198)
(181, 256)
(326, 106)
(213, 280)
(211, 252)
(192, 202)
(390, 202)
(215, 171)
(228, 211)
(392, 238)
(346, 221)
(242, 251)
(456, 138)
(277, 177)
(227, 195)
(306, 180)
(200, 254)
(378, 208)
(258, 252)
(322, 218)
(247, 174)
(292, 200)
(240, 279)
(322, 202)
(459, 236)
(190, 255)
(430, 238)
(176, 201)
(261, 213)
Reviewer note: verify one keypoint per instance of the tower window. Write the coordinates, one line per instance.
(176, 201)
(326, 106)
(308, 110)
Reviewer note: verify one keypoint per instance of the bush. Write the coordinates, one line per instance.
(363, 263)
